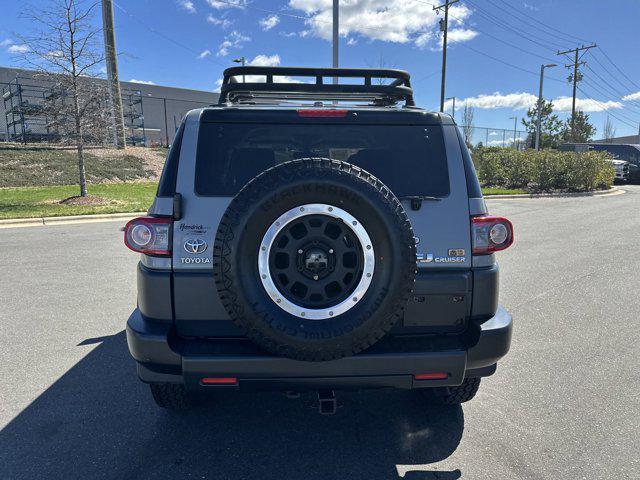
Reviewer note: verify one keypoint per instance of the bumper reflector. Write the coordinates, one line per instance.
(219, 381)
(431, 376)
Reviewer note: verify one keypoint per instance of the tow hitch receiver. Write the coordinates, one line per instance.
(327, 402)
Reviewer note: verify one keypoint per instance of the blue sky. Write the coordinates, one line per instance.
(187, 44)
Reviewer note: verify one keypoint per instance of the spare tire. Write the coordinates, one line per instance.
(314, 259)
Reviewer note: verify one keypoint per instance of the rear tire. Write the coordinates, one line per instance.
(457, 395)
(171, 396)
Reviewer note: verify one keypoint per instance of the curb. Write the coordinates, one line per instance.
(613, 190)
(71, 219)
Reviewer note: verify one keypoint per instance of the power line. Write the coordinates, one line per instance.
(520, 49)
(506, 63)
(166, 37)
(607, 85)
(571, 38)
(604, 107)
(513, 29)
(618, 68)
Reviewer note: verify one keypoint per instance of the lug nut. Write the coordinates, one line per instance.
(331, 250)
(315, 277)
(300, 251)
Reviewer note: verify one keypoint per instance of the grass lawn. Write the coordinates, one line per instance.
(37, 165)
(28, 202)
(44, 201)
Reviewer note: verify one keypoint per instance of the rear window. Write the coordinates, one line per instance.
(409, 159)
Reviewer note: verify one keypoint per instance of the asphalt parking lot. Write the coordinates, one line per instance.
(565, 403)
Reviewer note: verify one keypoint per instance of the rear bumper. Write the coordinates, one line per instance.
(162, 356)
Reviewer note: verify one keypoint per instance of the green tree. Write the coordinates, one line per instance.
(550, 126)
(583, 130)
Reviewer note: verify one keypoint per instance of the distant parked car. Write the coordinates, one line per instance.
(626, 153)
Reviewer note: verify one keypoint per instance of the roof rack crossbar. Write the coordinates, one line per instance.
(396, 90)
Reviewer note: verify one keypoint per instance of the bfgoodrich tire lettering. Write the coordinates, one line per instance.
(290, 185)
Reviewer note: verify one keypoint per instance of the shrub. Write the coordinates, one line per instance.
(545, 170)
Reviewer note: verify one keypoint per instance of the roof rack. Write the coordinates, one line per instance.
(265, 90)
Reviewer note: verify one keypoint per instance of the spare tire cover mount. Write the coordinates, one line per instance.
(364, 271)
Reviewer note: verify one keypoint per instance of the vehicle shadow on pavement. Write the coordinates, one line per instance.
(99, 421)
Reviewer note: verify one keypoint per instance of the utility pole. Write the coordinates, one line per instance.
(112, 73)
(576, 63)
(539, 113)
(336, 37)
(515, 130)
(444, 25)
(453, 106)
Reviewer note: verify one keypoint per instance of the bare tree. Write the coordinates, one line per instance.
(467, 122)
(382, 63)
(608, 131)
(64, 50)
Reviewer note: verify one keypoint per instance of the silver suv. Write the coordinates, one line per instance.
(317, 236)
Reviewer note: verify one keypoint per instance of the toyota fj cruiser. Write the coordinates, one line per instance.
(317, 236)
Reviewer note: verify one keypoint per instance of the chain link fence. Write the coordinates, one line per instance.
(494, 137)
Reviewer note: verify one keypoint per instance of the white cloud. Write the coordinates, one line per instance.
(563, 104)
(498, 100)
(143, 82)
(221, 5)
(6, 42)
(352, 41)
(523, 100)
(631, 97)
(223, 22)
(187, 5)
(396, 21)
(204, 54)
(18, 48)
(262, 61)
(265, 60)
(234, 40)
(269, 22)
(461, 35)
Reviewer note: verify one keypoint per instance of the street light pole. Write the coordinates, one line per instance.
(241, 61)
(453, 106)
(539, 112)
(336, 37)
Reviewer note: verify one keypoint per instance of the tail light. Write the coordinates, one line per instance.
(331, 113)
(149, 235)
(490, 234)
